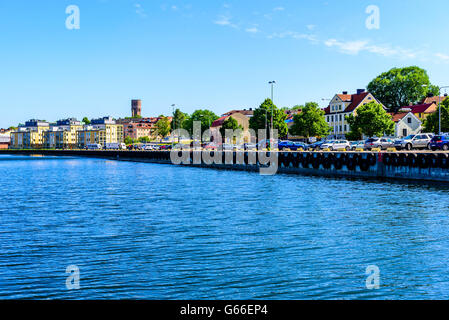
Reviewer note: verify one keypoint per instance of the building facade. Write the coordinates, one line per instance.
(63, 134)
(30, 135)
(136, 108)
(406, 123)
(341, 106)
(241, 116)
(100, 131)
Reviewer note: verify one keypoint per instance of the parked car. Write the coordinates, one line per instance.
(166, 147)
(381, 143)
(94, 146)
(265, 144)
(440, 143)
(317, 145)
(250, 146)
(227, 147)
(211, 146)
(293, 146)
(357, 145)
(414, 141)
(115, 146)
(336, 144)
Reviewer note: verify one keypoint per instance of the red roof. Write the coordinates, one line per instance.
(355, 99)
(433, 100)
(396, 117)
(419, 108)
(244, 112)
(219, 121)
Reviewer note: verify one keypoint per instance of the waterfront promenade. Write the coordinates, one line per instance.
(415, 166)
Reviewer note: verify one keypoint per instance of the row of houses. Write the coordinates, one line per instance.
(66, 134)
(71, 133)
(408, 120)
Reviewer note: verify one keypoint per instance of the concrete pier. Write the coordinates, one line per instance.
(412, 166)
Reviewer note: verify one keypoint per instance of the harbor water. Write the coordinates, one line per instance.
(154, 231)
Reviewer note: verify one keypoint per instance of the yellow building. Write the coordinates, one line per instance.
(100, 131)
(29, 136)
(343, 105)
(64, 135)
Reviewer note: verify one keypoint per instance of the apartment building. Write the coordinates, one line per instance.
(30, 135)
(63, 134)
(100, 131)
(341, 106)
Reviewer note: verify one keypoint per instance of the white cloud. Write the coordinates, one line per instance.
(442, 56)
(348, 47)
(311, 27)
(293, 35)
(225, 21)
(139, 10)
(279, 9)
(252, 30)
(357, 46)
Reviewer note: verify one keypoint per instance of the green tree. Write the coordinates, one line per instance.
(310, 122)
(229, 123)
(371, 120)
(431, 124)
(206, 117)
(129, 140)
(354, 135)
(401, 86)
(163, 127)
(262, 119)
(178, 119)
(144, 139)
(86, 120)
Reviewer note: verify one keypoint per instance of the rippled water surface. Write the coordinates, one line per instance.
(149, 231)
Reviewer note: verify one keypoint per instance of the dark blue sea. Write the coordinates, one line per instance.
(150, 231)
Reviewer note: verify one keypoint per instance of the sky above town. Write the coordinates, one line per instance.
(202, 54)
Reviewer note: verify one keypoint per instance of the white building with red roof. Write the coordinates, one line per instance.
(406, 123)
(341, 106)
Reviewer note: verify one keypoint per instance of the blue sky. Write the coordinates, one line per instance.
(205, 53)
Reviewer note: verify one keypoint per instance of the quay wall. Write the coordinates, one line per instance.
(414, 166)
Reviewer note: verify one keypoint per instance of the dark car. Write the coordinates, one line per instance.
(317, 145)
(166, 147)
(440, 143)
(293, 146)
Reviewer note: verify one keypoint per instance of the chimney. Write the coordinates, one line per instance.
(430, 95)
(360, 91)
(345, 92)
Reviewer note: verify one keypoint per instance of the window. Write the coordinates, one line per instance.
(341, 128)
(346, 128)
(409, 120)
(404, 132)
(340, 118)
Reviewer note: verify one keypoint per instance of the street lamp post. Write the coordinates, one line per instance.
(174, 125)
(272, 83)
(439, 105)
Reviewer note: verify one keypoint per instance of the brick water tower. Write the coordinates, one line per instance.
(136, 108)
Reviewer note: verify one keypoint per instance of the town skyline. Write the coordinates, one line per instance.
(217, 56)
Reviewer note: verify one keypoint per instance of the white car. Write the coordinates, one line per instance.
(336, 145)
(414, 141)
